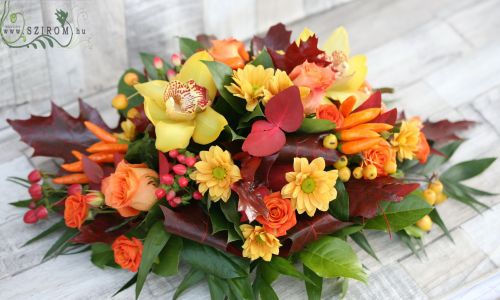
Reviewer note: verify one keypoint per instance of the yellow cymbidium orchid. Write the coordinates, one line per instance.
(180, 109)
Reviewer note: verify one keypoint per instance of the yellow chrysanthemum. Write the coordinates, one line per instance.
(259, 243)
(309, 186)
(249, 84)
(277, 83)
(215, 172)
(406, 141)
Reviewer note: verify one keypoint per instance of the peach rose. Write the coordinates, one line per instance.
(130, 189)
(379, 155)
(317, 79)
(330, 112)
(229, 51)
(281, 215)
(76, 210)
(127, 252)
(423, 149)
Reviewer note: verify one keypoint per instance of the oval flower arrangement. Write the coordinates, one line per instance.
(244, 165)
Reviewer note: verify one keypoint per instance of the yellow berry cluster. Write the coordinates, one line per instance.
(344, 171)
(433, 195)
(367, 172)
(120, 101)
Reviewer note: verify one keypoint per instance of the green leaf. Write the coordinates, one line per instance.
(436, 218)
(263, 59)
(232, 134)
(472, 191)
(360, 239)
(467, 169)
(246, 120)
(189, 46)
(213, 261)
(414, 231)
(399, 215)
(126, 285)
(52, 229)
(345, 288)
(285, 267)
(316, 125)
(264, 277)
(143, 151)
(192, 277)
(313, 290)
(21, 203)
(153, 73)
(455, 191)
(435, 161)
(102, 255)
(62, 243)
(339, 208)
(169, 258)
(221, 74)
(241, 288)
(348, 231)
(217, 286)
(156, 239)
(408, 241)
(332, 257)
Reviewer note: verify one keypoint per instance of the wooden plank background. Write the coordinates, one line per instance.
(441, 56)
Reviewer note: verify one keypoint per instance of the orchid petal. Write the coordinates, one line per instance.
(154, 110)
(209, 125)
(338, 41)
(153, 89)
(173, 135)
(196, 70)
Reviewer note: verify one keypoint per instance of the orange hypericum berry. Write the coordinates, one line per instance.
(370, 172)
(120, 102)
(430, 196)
(344, 174)
(131, 79)
(425, 223)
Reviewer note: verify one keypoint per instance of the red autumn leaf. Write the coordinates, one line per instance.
(277, 38)
(97, 230)
(251, 199)
(192, 223)
(117, 158)
(285, 110)
(205, 39)
(296, 55)
(92, 169)
(389, 117)
(141, 121)
(308, 230)
(374, 101)
(59, 133)
(249, 165)
(309, 146)
(366, 195)
(264, 139)
(444, 130)
(276, 177)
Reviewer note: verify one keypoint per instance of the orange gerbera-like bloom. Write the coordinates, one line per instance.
(76, 210)
(423, 149)
(229, 51)
(380, 156)
(330, 112)
(127, 252)
(259, 243)
(281, 215)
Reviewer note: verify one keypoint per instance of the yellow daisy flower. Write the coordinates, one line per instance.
(249, 84)
(259, 243)
(215, 173)
(277, 83)
(309, 186)
(406, 141)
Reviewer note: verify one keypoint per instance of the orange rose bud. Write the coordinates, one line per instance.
(127, 252)
(423, 149)
(331, 113)
(229, 51)
(130, 189)
(281, 215)
(76, 210)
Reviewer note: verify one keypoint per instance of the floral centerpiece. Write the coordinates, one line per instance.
(244, 165)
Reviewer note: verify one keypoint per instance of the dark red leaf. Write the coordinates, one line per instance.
(437, 152)
(308, 230)
(365, 195)
(285, 109)
(309, 146)
(389, 117)
(374, 101)
(296, 55)
(95, 231)
(264, 139)
(117, 158)
(164, 165)
(141, 121)
(92, 169)
(192, 223)
(251, 199)
(205, 39)
(276, 178)
(59, 133)
(249, 166)
(277, 38)
(444, 130)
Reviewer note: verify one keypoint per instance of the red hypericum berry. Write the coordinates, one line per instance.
(35, 191)
(177, 200)
(170, 195)
(160, 193)
(173, 153)
(167, 179)
(183, 182)
(179, 169)
(75, 189)
(181, 158)
(30, 217)
(41, 212)
(157, 62)
(32, 205)
(190, 161)
(173, 203)
(176, 59)
(34, 176)
(171, 74)
(243, 217)
(197, 195)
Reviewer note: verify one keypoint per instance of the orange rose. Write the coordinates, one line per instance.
(229, 51)
(76, 210)
(127, 252)
(314, 77)
(423, 149)
(130, 189)
(330, 112)
(281, 215)
(379, 155)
